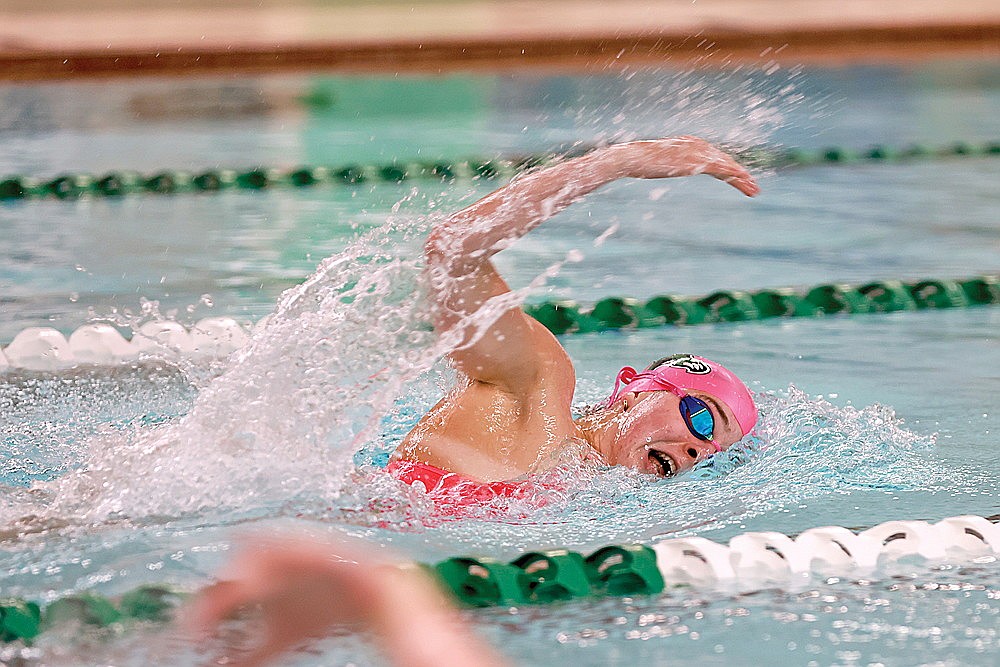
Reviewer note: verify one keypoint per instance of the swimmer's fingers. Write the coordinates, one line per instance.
(736, 175)
(704, 158)
(301, 588)
(216, 604)
(685, 156)
(213, 605)
(297, 589)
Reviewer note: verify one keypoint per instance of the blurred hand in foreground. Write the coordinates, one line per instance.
(304, 588)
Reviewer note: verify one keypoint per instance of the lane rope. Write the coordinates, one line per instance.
(118, 183)
(883, 296)
(47, 350)
(749, 562)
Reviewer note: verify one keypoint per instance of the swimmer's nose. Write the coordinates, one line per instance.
(687, 454)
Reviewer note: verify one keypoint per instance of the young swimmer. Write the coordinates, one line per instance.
(510, 414)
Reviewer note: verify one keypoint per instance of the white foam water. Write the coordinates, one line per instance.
(284, 419)
(287, 414)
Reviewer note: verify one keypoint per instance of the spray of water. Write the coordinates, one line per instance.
(281, 423)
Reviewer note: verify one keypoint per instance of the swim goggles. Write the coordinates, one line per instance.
(694, 411)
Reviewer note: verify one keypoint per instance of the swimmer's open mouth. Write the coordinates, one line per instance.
(666, 464)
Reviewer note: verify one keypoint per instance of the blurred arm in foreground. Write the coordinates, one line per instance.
(304, 588)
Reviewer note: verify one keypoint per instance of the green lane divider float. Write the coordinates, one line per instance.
(533, 578)
(551, 576)
(24, 620)
(563, 317)
(120, 183)
(795, 157)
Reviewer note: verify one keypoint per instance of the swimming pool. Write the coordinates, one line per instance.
(890, 416)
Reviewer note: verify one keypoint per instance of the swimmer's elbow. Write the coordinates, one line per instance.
(436, 247)
(447, 250)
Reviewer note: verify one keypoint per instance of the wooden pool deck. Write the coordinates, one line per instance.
(69, 39)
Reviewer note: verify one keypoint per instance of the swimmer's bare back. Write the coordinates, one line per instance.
(511, 412)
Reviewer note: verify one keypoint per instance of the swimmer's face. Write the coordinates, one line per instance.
(653, 437)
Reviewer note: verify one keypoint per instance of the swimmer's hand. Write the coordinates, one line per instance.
(301, 588)
(682, 156)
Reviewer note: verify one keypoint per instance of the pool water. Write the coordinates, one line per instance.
(117, 477)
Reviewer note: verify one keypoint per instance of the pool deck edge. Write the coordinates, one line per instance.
(26, 56)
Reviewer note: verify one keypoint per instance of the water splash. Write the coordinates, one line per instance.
(285, 417)
(738, 106)
(278, 428)
(319, 390)
(804, 449)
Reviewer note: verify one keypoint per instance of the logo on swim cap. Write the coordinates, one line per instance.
(690, 364)
(692, 374)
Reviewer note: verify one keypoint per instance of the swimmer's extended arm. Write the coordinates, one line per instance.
(515, 349)
(302, 588)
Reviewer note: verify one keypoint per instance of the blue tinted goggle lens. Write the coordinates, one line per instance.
(698, 417)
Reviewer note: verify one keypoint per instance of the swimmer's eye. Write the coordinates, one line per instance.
(664, 462)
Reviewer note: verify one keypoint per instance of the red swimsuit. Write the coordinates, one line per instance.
(454, 488)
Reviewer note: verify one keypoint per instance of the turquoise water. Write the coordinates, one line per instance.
(145, 474)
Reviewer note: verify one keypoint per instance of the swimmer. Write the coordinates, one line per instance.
(302, 588)
(510, 414)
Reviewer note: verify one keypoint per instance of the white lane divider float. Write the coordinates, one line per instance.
(754, 560)
(46, 349)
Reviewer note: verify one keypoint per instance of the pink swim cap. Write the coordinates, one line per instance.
(692, 373)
